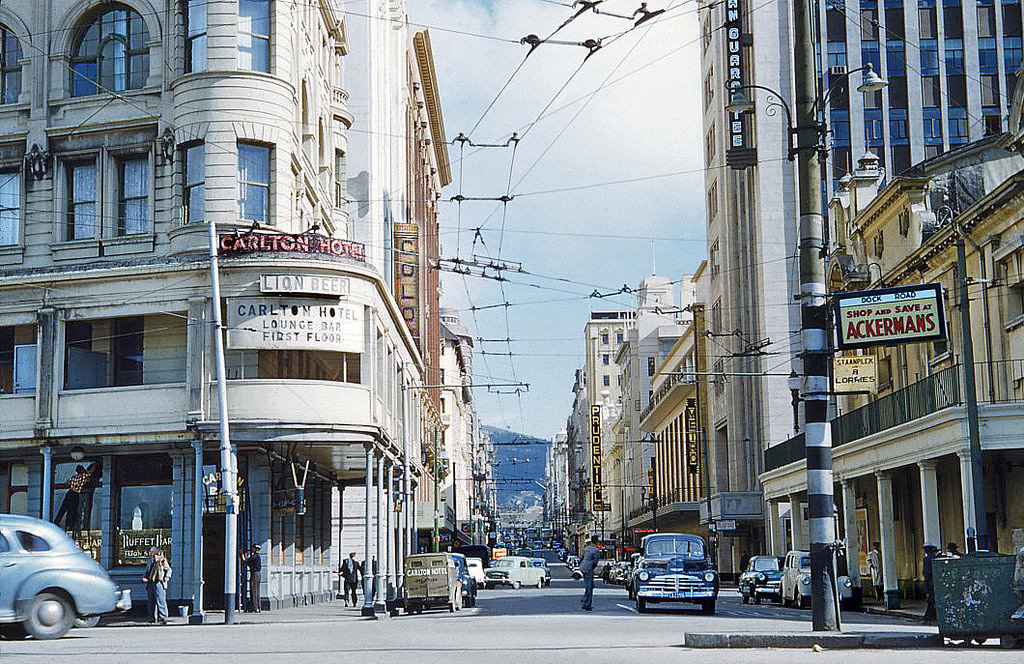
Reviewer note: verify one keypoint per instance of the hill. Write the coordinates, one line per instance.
(519, 462)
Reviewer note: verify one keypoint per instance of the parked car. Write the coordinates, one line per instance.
(675, 567)
(469, 586)
(431, 581)
(619, 572)
(47, 582)
(543, 564)
(796, 581)
(483, 553)
(515, 571)
(761, 580)
(572, 562)
(476, 570)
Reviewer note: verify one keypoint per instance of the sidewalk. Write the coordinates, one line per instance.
(324, 612)
(909, 608)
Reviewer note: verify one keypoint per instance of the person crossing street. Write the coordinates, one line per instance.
(591, 556)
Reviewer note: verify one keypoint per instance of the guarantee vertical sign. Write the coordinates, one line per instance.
(690, 421)
(595, 458)
(890, 316)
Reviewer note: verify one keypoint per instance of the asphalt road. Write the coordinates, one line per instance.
(525, 626)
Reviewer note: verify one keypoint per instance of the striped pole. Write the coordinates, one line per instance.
(814, 328)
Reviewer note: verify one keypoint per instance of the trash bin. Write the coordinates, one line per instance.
(974, 598)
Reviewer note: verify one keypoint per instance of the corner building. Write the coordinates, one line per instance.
(124, 129)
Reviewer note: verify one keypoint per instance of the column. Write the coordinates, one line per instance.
(888, 540)
(197, 617)
(930, 502)
(380, 585)
(400, 531)
(368, 539)
(411, 508)
(778, 530)
(45, 509)
(796, 523)
(389, 532)
(967, 491)
(852, 543)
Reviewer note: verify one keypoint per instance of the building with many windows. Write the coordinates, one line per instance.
(126, 131)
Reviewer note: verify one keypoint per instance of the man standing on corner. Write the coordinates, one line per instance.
(254, 564)
(350, 570)
(591, 554)
(875, 569)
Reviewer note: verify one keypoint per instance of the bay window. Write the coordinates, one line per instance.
(254, 35)
(143, 496)
(254, 182)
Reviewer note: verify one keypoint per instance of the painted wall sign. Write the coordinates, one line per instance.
(294, 324)
(309, 284)
(890, 316)
(407, 274)
(232, 244)
(595, 460)
(858, 373)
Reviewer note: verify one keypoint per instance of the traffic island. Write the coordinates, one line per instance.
(803, 640)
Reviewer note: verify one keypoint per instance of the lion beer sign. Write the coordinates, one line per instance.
(890, 316)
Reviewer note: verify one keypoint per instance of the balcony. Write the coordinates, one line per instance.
(679, 499)
(122, 409)
(19, 415)
(305, 401)
(673, 381)
(997, 382)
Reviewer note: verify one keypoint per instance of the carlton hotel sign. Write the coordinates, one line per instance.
(235, 244)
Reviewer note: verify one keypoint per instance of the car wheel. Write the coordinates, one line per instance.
(784, 598)
(540, 583)
(516, 585)
(49, 616)
(451, 607)
(641, 605)
(805, 602)
(757, 598)
(91, 621)
(708, 607)
(745, 598)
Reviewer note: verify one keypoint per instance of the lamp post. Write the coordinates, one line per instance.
(810, 135)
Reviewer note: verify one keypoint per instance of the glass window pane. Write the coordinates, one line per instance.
(83, 79)
(10, 202)
(135, 176)
(114, 65)
(196, 204)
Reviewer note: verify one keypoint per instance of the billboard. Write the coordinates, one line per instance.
(890, 316)
(274, 323)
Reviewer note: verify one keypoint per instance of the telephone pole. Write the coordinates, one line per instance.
(814, 327)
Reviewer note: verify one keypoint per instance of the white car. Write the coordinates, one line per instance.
(796, 581)
(476, 570)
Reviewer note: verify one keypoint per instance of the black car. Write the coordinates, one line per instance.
(675, 567)
(469, 587)
(761, 579)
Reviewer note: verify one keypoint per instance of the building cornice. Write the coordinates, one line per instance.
(428, 77)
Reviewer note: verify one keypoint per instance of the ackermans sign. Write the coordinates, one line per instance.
(890, 316)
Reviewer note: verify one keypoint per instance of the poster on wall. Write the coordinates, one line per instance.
(863, 543)
(284, 323)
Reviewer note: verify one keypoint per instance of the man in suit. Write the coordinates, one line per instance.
(350, 571)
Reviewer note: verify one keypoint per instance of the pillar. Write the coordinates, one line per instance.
(402, 505)
(46, 509)
(852, 543)
(411, 509)
(967, 491)
(796, 523)
(778, 530)
(930, 502)
(368, 539)
(389, 530)
(888, 540)
(197, 617)
(380, 585)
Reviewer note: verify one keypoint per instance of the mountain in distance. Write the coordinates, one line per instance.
(519, 462)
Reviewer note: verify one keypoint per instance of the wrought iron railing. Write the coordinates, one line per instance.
(666, 387)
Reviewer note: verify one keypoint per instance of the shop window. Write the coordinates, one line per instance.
(133, 350)
(195, 35)
(74, 509)
(143, 496)
(17, 489)
(110, 54)
(254, 35)
(10, 208)
(18, 359)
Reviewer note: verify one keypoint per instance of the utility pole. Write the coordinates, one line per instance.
(814, 327)
(977, 493)
(437, 526)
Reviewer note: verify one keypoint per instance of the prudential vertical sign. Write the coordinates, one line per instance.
(595, 459)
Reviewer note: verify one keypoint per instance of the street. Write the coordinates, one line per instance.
(523, 626)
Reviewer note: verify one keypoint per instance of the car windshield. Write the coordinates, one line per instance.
(766, 564)
(504, 562)
(474, 563)
(538, 563)
(689, 548)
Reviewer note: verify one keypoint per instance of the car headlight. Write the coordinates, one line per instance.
(847, 583)
(762, 576)
(805, 580)
(643, 575)
(709, 576)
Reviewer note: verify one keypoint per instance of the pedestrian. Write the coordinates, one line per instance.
(85, 508)
(591, 554)
(350, 571)
(875, 569)
(930, 553)
(69, 506)
(158, 575)
(744, 561)
(254, 564)
(952, 550)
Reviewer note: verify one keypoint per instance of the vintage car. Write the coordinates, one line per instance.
(675, 567)
(761, 580)
(543, 564)
(515, 571)
(465, 577)
(431, 581)
(476, 570)
(619, 572)
(796, 581)
(47, 582)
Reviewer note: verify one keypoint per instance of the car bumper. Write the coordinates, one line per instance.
(124, 600)
(676, 595)
(768, 590)
(498, 582)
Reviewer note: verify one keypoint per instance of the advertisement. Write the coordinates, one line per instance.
(855, 374)
(294, 324)
(692, 448)
(307, 284)
(890, 316)
(236, 244)
(595, 459)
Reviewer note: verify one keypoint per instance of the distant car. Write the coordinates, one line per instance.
(543, 564)
(476, 570)
(675, 567)
(572, 562)
(619, 572)
(761, 580)
(514, 571)
(796, 581)
(469, 586)
(47, 582)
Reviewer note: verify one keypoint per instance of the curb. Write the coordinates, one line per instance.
(887, 640)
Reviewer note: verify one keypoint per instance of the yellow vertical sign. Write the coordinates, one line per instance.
(595, 459)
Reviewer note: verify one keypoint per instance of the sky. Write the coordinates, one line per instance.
(630, 111)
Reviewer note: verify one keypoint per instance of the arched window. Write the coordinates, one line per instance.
(10, 70)
(111, 53)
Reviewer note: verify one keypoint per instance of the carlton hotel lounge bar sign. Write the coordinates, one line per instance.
(310, 244)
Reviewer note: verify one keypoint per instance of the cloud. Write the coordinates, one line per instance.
(644, 120)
